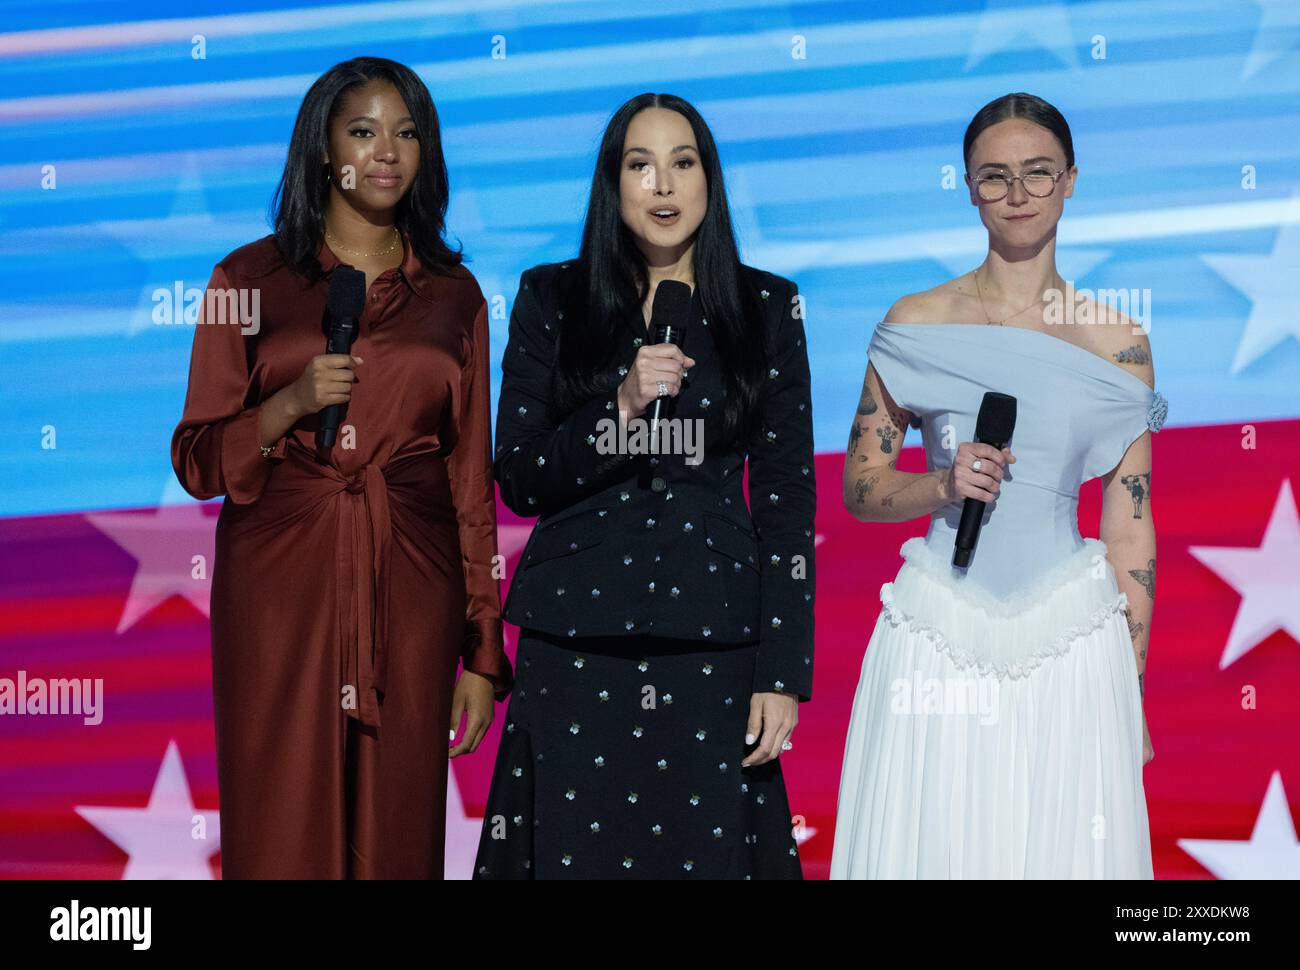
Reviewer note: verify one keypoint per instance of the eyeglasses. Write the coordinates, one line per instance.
(1038, 182)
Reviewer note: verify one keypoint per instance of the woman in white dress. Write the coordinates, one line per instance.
(997, 729)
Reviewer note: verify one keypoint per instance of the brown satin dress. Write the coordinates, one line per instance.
(347, 583)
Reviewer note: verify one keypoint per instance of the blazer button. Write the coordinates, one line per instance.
(658, 484)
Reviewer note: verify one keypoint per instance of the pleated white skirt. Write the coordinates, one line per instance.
(992, 738)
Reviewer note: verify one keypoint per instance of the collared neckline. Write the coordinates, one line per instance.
(411, 269)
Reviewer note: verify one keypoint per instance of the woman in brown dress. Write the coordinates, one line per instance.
(348, 580)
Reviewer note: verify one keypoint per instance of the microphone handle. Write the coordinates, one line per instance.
(664, 334)
(968, 531)
(972, 520)
(333, 413)
(655, 410)
(329, 427)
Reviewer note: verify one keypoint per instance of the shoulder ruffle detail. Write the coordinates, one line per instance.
(1004, 637)
(1157, 412)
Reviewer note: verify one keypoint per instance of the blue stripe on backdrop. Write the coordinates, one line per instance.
(834, 167)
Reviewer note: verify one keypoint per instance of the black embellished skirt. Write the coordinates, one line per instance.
(620, 759)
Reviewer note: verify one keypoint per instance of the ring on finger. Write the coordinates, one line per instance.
(787, 744)
(976, 465)
(663, 389)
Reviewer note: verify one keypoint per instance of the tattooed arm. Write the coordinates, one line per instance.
(874, 490)
(1130, 537)
(1127, 527)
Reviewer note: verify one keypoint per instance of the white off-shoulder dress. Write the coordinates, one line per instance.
(997, 725)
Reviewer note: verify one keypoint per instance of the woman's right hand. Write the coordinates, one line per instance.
(964, 482)
(653, 363)
(327, 379)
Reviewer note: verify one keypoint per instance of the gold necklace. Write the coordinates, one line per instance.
(999, 323)
(397, 236)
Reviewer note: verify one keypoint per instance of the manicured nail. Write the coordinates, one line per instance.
(451, 736)
(750, 739)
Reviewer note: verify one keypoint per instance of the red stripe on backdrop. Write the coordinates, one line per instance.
(64, 586)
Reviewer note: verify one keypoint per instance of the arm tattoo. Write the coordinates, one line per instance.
(1132, 355)
(1139, 487)
(863, 486)
(887, 436)
(855, 433)
(1147, 577)
(1134, 631)
(868, 405)
(888, 500)
(1134, 627)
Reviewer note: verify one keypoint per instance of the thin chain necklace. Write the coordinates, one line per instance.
(333, 240)
(998, 323)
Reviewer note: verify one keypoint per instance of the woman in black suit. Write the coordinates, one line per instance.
(666, 638)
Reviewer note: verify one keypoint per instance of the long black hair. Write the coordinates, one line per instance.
(610, 281)
(298, 206)
(1020, 105)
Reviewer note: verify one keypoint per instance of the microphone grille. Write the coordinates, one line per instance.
(672, 305)
(347, 292)
(997, 418)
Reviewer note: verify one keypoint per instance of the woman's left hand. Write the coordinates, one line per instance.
(473, 697)
(772, 717)
(1148, 752)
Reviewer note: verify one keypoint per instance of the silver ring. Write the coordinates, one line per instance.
(976, 465)
(663, 389)
(787, 744)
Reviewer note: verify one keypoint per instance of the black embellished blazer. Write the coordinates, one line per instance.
(649, 543)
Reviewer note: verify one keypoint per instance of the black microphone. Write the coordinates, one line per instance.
(996, 421)
(342, 311)
(668, 317)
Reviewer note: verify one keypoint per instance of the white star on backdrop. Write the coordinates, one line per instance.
(1265, 576)
(185, 235)
(460, 847)
(161, 838)
(1269, 282)
(745, 203)
(461, 843)
(1271, 853)
(494, 245)
(163, 543)
(1003, 21)
(1277, 32)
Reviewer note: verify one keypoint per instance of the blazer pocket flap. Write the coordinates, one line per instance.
(730, 540)
(569, 535)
